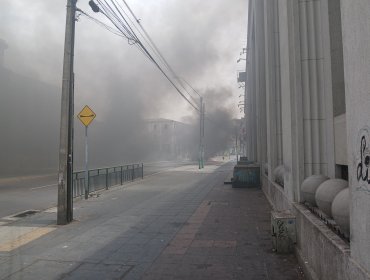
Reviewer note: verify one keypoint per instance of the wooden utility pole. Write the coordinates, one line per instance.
(65, 207)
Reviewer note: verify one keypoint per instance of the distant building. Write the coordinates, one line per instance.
(307, 117)
(169, 138)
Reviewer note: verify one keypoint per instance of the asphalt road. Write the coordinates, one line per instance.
(40, 192)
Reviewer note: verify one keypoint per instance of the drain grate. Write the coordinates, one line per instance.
(26, 213)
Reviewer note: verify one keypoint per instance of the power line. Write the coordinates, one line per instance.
(110, 29)
(109, 12)
(105, 26)
(119, 21)
(190, 86)
(154, 47)
(151, 43)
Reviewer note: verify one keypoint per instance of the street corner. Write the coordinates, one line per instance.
(22, 228)
(13, 236)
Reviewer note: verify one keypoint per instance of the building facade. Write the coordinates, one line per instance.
(306, 103)
(169, 138)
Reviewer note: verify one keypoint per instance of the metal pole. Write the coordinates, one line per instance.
(200, 132)
(236, 145)
(121, 175)
(203, 114)
(106, 178)
(86, 166)
(65, 209)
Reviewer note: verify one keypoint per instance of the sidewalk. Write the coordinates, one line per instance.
(228, 237)
(180, 224)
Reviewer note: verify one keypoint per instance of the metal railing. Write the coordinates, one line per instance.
(104, 178)
(329, 222)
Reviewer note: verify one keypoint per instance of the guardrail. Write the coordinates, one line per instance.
(104, 178)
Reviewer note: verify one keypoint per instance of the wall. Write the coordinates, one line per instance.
(356, 44)
(313, 76)
(321, 252)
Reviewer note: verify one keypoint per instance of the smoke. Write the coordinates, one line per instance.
(200, 40)
(219, 124)
(29, 115)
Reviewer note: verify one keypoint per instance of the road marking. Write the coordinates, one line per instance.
(20, 240)
(41, 187)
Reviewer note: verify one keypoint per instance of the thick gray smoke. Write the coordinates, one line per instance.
(115, 79)
(219, 124)
(29, 115)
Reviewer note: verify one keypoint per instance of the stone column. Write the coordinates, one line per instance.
(271, 106)
(291, 96)
(278, 130)
(250, 103)
(317, 109)
(273, 98)
(260, 82)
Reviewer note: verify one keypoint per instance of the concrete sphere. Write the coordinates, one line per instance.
(266, 169)
(340, 210)
(275, 172)
(309, 187)
(326, 193)
(279, 175)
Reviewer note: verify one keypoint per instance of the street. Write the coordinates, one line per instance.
(182, 223)
(40, 192)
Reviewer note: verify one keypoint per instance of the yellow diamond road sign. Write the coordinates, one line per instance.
(86, 115)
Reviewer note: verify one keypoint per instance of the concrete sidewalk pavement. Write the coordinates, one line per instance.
(180, 224)
(227, 237)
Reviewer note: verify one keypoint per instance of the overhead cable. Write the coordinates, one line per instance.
(114, 13)
(154, 47)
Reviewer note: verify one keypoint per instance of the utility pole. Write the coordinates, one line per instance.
(201, 127)
(236, 144)
(203, 117)
(65, 208)
(200, 131)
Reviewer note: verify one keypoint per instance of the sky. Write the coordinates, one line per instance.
(201, 40)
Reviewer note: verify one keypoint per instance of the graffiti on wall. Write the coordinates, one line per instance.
(363, 159)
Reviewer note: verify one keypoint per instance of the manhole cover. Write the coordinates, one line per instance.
(26, 213)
